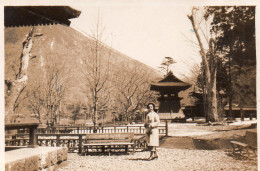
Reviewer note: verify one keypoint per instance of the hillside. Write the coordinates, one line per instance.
(62, 48)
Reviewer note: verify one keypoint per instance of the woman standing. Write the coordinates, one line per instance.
(152, 121)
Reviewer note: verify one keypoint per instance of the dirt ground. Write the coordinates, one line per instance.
(169, 160)
(182, 153)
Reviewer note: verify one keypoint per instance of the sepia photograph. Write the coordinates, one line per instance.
(152, 85)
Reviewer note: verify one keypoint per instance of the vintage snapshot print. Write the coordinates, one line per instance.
(131, 85)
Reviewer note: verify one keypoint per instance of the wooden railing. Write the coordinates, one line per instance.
(72, 141)
(73, 136)
(31, 129)
(163, 130)
(91, 129)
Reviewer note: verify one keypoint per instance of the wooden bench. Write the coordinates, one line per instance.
(109, 141)
(250, 143)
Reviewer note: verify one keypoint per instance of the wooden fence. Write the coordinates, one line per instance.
(73, 136)
(101, 129)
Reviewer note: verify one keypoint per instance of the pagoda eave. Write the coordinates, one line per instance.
(169, 89)
(20, 16)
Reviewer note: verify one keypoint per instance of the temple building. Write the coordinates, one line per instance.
(169, 87)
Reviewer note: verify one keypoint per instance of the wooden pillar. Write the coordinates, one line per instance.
(166, 127)
(58, 141)
(241, 114)
(80, 144)
(126, 149)
(33, 137)
(251, 116)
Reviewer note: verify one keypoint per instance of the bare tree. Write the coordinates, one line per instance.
(36, 102)
(17, 86)
(54, 93)
(77, 113)
(193, 77)
(132, 85)
(209, 64)
(96, 68)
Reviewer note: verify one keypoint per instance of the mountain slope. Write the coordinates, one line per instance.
(62, 48)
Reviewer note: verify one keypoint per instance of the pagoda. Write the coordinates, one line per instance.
(169, 87)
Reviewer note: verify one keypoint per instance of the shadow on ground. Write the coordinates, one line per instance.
(138, 159)
(112, 153)
(215, 141)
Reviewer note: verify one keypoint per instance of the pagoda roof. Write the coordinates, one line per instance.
(170, 84)
(170, 78)
(18, 16)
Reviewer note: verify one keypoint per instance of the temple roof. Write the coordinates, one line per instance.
(170, 84)
(17, 16)
(170, 78)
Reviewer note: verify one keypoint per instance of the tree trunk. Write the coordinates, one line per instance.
(230, 94)
(210, 80)
(212, 98)
(19, 84)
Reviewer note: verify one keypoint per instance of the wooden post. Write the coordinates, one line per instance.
(58, 141)
(251, 116)
(241, 114)
(126, 149)
(14, 138)
(126, 128)
(33, 137)
(166, 127)
(140, 128)
(80, 144)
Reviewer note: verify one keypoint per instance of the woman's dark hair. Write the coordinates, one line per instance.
(151, 104)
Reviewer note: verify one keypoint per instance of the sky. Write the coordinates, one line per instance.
(144, 32)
